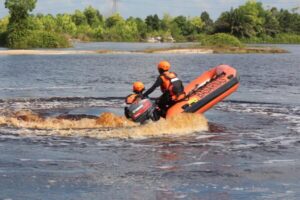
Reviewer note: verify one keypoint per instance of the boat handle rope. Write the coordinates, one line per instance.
(199, 87)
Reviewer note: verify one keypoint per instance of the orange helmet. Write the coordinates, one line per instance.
(163, 65)
(138, 86)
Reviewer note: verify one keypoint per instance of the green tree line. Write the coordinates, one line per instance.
(250, 22)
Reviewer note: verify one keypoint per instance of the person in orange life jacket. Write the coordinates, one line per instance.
(137, 88)
(170, 85)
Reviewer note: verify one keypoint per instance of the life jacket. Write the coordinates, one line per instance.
(132, 98)
(172, 84)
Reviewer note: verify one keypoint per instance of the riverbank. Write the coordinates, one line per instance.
(171, 50)
(54, 52)
(215, 50)
(243, 50)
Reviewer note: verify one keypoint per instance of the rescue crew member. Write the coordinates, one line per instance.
(171, 87)
(137, 88)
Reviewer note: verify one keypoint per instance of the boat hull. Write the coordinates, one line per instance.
(207, 90)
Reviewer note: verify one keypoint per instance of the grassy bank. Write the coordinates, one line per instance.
(215, 49)
(38, 39)
(217, 43)
(243, 50)
(283, 38)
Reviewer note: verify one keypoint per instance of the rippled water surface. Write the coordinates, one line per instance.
(251, 149)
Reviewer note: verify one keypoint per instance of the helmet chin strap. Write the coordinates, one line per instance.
(161, 71)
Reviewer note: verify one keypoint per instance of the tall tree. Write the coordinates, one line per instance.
(3, 24)
(166, 22)
(289, 22)
(49, 23)
(113, 20)
(19, 11)
(153, 22)
(18, 21)
(271, 24)
(79, 18)
(197, 24)
(208, 22)
(141, 27)
(185, 26)
(244, 21)
(93, 16)
(65, 24)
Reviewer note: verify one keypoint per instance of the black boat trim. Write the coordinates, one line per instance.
(196, 106)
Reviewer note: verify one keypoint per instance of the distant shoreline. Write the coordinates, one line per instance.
(174, 50)
(76, 52)
(56, 52)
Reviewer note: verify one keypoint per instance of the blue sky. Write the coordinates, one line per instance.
(142, 8)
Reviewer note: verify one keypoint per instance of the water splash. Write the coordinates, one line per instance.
(179, 125)
(31, 120)
(107, 125)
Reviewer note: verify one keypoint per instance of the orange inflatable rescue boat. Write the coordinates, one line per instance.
(207, 90)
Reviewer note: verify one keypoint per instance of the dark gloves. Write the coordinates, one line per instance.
(144, 97)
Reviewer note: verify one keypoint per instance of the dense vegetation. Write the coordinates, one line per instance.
(220, 40)
(20, 29)
(250, 22)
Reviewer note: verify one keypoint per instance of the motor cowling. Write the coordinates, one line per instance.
(140, 111)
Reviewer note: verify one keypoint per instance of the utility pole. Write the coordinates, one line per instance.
(114, 8)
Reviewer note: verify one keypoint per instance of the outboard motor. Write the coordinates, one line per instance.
(141, 111)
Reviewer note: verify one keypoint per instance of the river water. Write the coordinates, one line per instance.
(250, 148)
